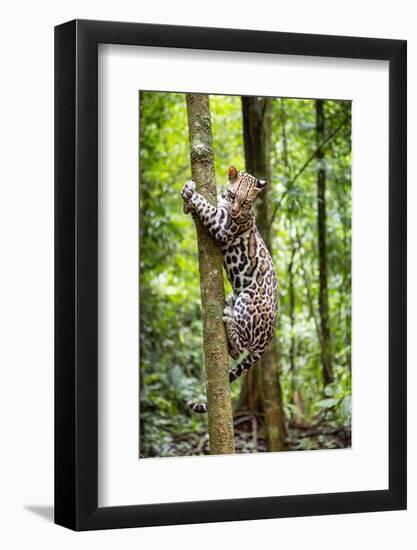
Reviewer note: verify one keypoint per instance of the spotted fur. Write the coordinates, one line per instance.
(250, 312)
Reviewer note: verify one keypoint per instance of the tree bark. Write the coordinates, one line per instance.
(220, 418)
(326, 353)
(257, 128)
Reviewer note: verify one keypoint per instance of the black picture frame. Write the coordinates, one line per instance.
(76, 272)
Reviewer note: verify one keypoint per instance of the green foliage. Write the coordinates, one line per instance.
(171, 347)
(338, 401)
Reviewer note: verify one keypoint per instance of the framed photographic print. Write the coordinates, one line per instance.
(230, 252)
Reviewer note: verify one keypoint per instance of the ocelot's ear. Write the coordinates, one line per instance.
(260, 184)
(232, 174)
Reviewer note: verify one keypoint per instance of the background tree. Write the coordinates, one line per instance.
(220, 419)
(296, 397)
(257, 130)
(325, 340)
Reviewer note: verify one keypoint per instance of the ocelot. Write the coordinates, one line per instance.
(250, 312)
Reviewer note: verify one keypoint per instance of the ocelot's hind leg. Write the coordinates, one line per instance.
(235, 344)
(230, 300)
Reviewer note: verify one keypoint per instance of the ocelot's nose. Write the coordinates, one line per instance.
(234, 210)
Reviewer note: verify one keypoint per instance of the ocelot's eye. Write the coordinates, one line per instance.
(230, 194)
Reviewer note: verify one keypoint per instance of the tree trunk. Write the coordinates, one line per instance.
(297, 399)
(326, 353)
(220, 418)
(257, 127)
(296, 396)
(250, 397)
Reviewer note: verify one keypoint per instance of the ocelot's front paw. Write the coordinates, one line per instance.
(188, 190)
(187, 193)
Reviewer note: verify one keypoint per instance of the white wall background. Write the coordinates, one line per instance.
(26, 272)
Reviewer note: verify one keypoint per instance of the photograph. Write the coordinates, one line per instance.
(208, 276)
(245, 274)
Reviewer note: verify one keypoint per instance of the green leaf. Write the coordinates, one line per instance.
(327, 403)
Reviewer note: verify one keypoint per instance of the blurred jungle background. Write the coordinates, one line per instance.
(308, 225)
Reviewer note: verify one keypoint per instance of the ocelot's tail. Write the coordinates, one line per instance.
(234, 373)
(245, 365)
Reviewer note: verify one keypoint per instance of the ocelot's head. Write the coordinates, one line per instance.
(242, 192)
